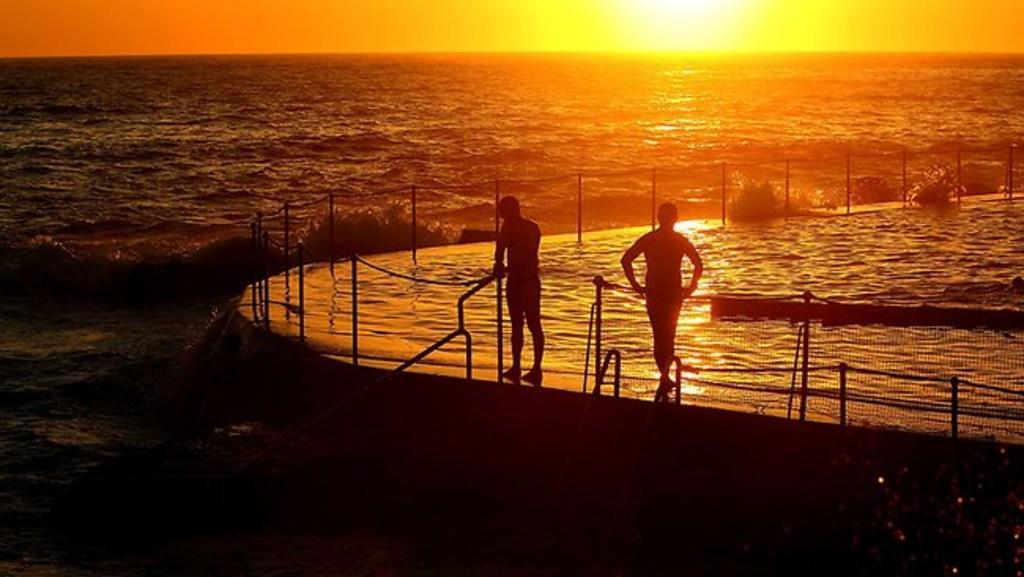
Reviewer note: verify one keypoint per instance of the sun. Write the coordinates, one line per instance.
(681, 24)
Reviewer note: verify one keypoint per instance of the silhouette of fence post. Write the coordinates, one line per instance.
(654, 197)
(498, 292)
(599, 309)
(903, 157)
(804, 378)
(787, 188)
(266, 278)
(1009, 173)
(579, 207)
(300, 251)
(355, 310)
(842, 394)
(255, 245)
(954, 412)
(723, 193)
(330, 229)
(849, 185)
(959, 176)
(412, 194)
(287, 241)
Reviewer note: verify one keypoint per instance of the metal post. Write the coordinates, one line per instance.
(849, 187)
(497, 223)
(787, 188)
(1009, 176)
(287, 240)
(599, 299)
(842, 394)
(355, 310)
(469, 356)
(723, 193)
(498, 292)
(266, 278)
(255, 245)
(413, 194)
(954, 407)
(959, 175)
(500, 318)
(903, 156)
(806, 353)
(579, 207)
(654, 197)
(330, 229)
(302, 291)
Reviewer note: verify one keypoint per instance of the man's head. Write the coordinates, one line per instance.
(1018, 284)
(668, 215)
(508, 208)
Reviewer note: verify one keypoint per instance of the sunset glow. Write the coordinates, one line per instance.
(77, 27)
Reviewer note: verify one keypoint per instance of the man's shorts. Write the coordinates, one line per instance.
(523, 296)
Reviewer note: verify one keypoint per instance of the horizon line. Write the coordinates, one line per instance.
(102, 55)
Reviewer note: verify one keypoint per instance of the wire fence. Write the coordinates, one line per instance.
(875, 372)
(870, 375)
(733, 189)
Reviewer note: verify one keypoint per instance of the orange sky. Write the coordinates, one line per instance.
(80, 27)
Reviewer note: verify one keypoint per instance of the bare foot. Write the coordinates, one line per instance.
(513, 375)
(535, 377)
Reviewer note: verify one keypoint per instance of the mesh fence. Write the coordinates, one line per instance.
(895, 377)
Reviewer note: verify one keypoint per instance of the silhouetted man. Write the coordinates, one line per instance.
(520, 238)
(663, 249)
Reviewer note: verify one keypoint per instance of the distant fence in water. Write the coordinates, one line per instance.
(592, 199)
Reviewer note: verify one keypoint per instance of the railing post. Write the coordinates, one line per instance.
(599, 300)
(954, 384)
(787, 188)
(500, 318)
(497, 216)
(330, 229)
(355, 310)
(287, 240)
(1009, 175)
(412, 193)
(302, 291)
(959, 176)
(579, 207)
(266, 276)
(654, 197)
(903, 157)
(806, 354)
(723, 193)
(254, 244)
(849, 185)
(842, 394)
(469, 355)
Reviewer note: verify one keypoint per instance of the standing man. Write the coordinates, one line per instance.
(663, 249)
(520, 238)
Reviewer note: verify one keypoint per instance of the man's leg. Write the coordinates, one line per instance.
(663, 330)
(515, 313)
(532, 313)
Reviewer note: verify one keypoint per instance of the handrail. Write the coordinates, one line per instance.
(616, 355)
(461, 331)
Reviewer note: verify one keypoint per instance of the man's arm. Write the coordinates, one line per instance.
(698, 267)
(627, 265)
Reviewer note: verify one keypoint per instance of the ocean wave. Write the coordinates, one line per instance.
(98, 259)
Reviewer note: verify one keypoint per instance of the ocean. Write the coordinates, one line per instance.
(128, 186)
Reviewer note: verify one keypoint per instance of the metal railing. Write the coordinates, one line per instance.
(661, 179)
(801, 311)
